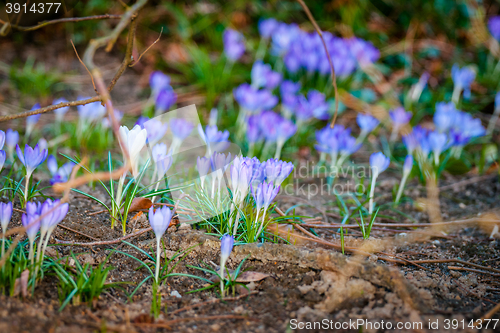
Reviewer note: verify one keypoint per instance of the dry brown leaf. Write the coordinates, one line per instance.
(21, 284)
(140, 203)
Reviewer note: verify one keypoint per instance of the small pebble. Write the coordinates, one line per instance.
(175, 293)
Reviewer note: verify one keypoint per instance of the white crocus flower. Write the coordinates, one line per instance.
(134, 140)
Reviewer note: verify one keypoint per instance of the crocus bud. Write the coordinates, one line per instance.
(31, 158)
(226, 246)
(160, 220)
(408, 165)
(5, 214)
(379, 163)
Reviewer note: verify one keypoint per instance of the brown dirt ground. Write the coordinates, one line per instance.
(302, 286)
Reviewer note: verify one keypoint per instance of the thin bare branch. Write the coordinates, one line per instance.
(91, 77)
(63, 20)
(334, 80)
(128, 55)
(50, 108)
(150, 46)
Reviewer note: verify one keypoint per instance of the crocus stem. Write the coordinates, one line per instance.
(261, 50)
(394, 134)
(218, 193)
(222, 264)
(236, 221)
(401, 187)
(261, 224)
(455, 98)
(30, 255)
(493, 121)
(3, 244)
(279, 146)
(156, 189)
(26, 189)
(265, 150)
(157, 270)
(39, 252)
(240, 123)
(213, 187)
(118, 198)
(257, 218)
(372, 192)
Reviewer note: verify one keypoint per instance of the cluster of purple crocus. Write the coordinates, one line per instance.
(44, 218)
(339, 144)
(301, 49)
(494, 27)
(234, 44)
(162, 93)
(453, 129)
(247, 175)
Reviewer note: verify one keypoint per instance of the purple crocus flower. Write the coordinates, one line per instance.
(2, 138)
(268, 122)
(59, 175)
(494, 27)
(264, 76)
(241, 172)
(31, 158)
(363, 51)
(366, 122)
(411, 142)
(226, 246)
(254, 133)
(408, 164)
(159, 221)
(50, 220)
(267, 27)
(203, 164)
(156, 130)
(141, 121)
(288, 87)
(159, 151)
(285, 130)
(5, 215)
(163, 165)
(445, 115)
(462, 78)
(213, 135)
(3, 157)
(234, 44)
(318, 104)
(400, 117)
(254, 100)
(164, 100)
(276, 171)
(11, 140)
(437, 142)
(91, 112)
(379, 163)
(283, 37)
(181, 128)
(33, 211)
(158, 81)
(61, 111)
